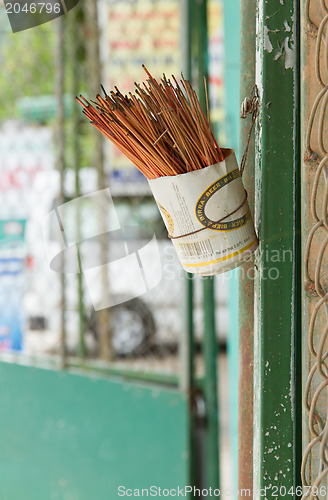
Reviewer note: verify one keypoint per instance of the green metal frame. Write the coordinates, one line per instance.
(210, 350)
(197, 68)
(276, 393)
(210, 345)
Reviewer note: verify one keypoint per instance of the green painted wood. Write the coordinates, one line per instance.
(68, 437)
(275, 391)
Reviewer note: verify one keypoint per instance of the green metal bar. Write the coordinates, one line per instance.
(93, 367)
(246, 276)
(187, 13)
(212, 475)
(189, 317)
(200, 16)
(275, 394)
(210, 351)
(158, 378)
(298, 282)
(189, 385)
(187, 9)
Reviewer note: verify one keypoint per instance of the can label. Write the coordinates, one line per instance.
(199, 211)
(206, 196)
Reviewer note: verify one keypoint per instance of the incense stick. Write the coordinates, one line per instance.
(161, 128)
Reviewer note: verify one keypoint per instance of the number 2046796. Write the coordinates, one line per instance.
(33, 8)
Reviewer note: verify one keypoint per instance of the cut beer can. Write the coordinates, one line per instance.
(207, 216)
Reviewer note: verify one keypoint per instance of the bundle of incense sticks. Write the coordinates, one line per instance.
(161, 128)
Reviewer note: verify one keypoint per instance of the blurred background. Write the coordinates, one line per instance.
(50, 155)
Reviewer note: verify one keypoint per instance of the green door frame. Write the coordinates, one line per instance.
(277, 435)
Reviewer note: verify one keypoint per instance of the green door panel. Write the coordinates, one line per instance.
(69, 437)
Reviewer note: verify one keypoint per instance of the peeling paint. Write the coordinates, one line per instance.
(283, 47)
(267, 43)
(288, 51)
(289, 55)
